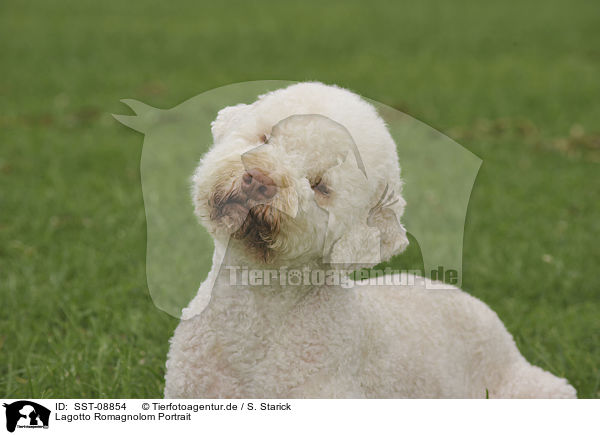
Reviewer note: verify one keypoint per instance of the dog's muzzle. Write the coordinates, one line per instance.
(248, 212)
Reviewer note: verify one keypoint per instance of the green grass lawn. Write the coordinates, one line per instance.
(514, 82)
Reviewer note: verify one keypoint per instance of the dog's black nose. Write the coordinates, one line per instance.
(258, 186)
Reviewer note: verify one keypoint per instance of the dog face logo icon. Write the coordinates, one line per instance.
(26, 414)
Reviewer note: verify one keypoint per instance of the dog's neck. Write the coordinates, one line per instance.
(234, 285)
(268, 284)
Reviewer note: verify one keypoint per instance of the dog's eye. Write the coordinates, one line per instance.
(323, 189)
(320, 187)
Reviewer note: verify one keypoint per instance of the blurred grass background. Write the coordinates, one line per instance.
(514, 82)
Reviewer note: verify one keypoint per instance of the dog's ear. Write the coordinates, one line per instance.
(385, 216)
(226, 119)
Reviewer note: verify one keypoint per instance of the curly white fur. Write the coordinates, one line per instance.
(367, 341)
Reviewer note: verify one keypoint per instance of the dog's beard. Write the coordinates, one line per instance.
(257, 226)
(260, 230)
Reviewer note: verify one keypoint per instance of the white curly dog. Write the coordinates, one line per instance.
(306, 180)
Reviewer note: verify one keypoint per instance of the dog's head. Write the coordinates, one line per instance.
(297, 191)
